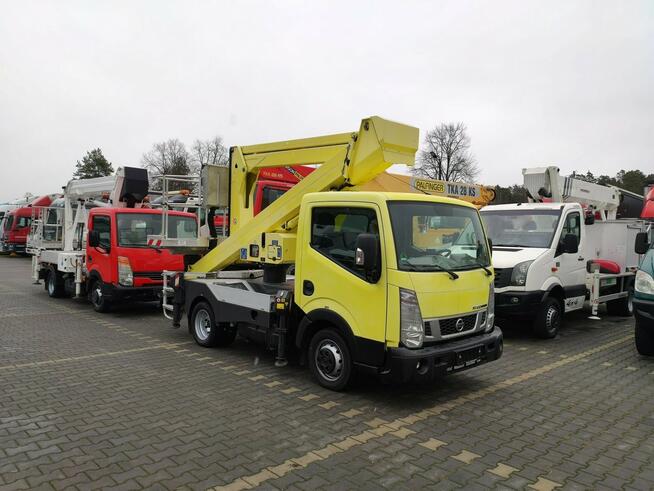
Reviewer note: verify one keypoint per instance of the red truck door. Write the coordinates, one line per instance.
(99, 258)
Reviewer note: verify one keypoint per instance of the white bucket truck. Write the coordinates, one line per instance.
(565, 247)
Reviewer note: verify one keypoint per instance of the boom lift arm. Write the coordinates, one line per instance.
(546, 182)
(346, 159)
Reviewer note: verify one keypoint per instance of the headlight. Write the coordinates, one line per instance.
(644, 283)
(519, 274)
(125, 275)
(490, 316)
(412, 328)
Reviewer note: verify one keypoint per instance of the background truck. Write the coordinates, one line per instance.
(367, 293)
(88, 244)
(552, 255)
(17, 224)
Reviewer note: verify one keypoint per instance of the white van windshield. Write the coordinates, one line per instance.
(521, 228)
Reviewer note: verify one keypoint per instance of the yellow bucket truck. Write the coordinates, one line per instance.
(368, 292)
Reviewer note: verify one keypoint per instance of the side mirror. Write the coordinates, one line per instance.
(642, 244)
(570, 244)
(94, 238)
(368, 256)
(589, 219)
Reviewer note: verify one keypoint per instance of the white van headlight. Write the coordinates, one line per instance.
(644, 283)
(519, 274)
(412, 328)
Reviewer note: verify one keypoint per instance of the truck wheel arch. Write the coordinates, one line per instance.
(319, 318)
(555, 291)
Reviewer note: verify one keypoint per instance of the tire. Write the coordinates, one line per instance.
(549, 318)
(54, 283)
(623, 307)
(330, 360)
(96, 297)
(206, 331)
(644, 338)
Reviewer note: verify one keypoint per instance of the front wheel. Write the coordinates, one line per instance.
(330, 360)
(54, 283)
(548, 319)
(206, 331)
(623, 307)
(644, 338)
(97, 297)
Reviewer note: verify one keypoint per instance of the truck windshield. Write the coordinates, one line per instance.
(521, 228)
(437, 236)
(134, 228)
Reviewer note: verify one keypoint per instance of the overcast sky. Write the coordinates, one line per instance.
(569, 83)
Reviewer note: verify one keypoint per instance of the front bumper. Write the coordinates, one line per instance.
(518, 303)
(644, 311)
(135, 293)
(403, 364)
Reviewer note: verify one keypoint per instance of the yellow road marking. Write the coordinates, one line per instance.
(503, 470)
(86, 357)
(432, 444)
(543, 484)
(383, 427)
(466, 457)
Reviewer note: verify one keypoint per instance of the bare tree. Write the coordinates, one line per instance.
(209, 152)
(446, 155)
(169, 157)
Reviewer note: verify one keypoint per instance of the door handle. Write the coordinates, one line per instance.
(580, 259)
(90, 259)
(307, 288)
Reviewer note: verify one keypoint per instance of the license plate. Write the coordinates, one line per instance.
(467, 358)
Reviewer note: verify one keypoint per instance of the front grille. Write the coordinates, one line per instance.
(502, 277)
(152, 275)
(449, 327)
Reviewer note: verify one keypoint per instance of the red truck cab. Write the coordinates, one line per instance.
(271, 184)
(17, 225)
(119, 263)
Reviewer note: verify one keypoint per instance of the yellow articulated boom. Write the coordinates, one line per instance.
(346, 159)
(397, 284)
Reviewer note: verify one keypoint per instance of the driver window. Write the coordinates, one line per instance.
(334, 233)
(102, 224)
(572, 226)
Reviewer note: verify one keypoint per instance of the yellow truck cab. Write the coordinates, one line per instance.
(374, 287)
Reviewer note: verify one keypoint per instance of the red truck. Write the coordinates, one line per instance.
(103, 251)
(119, 264)
(271, 184)
(17, 225)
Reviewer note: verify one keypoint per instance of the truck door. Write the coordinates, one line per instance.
(99, 258)
(572, 266)
(327, 276)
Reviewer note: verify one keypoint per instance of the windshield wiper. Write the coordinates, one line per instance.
(452, 274)
(413, 267)
(479, 265)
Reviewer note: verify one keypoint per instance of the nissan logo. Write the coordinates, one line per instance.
(460, 324)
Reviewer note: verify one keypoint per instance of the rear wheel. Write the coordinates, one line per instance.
(206, 331)
(54, 283)
(97, 297)
(622, 306)
(549, 318)
(644, 338)
(330, 360)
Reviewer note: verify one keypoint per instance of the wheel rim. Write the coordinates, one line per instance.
(96, 295)
(202, 325)
(329, 360)
(553, 318)
(51, 284)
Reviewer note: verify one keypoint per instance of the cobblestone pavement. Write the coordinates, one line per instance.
(124, 401)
